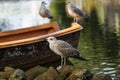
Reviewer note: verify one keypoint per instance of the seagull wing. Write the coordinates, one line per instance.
(66, 48)
(78, 11)
(68, 51)
(48, 13)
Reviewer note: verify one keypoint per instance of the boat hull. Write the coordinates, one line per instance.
(27, 55)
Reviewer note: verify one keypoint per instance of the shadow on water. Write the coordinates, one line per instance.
(95, 30)
(92, 34)
(112, 44)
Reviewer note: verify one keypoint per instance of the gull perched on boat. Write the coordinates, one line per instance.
(75, 12)
(63, 49)
(44, 12)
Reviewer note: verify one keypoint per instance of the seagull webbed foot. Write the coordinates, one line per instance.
(59, 67)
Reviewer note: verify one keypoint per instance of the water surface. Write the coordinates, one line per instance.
(20, 14)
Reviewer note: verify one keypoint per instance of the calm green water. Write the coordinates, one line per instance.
(99, 41)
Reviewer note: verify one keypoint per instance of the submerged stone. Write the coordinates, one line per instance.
(102, 77)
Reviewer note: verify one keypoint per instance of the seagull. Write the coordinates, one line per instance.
(63, 49)
(44, 12)
(75, 12)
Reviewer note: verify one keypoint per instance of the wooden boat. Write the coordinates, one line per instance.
(26, 47)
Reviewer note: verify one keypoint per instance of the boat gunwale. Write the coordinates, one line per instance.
(53, 25)
(73, 28)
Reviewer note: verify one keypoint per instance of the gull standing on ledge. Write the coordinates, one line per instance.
(64, 50)
(44, 12)
(75, 12)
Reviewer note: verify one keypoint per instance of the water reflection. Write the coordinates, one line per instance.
(20, 14)
(100, 39)
(59, 11)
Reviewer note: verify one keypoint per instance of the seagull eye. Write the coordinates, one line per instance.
(51, 39)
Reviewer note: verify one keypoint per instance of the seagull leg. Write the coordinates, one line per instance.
(64, 60)
(74, 20)
(59, 67)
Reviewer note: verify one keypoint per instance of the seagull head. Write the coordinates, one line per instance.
(51, 39)
(68, 3)
(43, 3)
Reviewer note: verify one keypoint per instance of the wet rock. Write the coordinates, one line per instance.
(18, 74)
(3, 79)
(80, 74)
(106, 77)
(51, 74)
(65, 72)
(6, 73)
(9, 69)
(117, 75)
(34, 72)
(102, 77)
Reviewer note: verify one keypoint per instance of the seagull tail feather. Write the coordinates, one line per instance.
(80, 58)
(50, 17)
